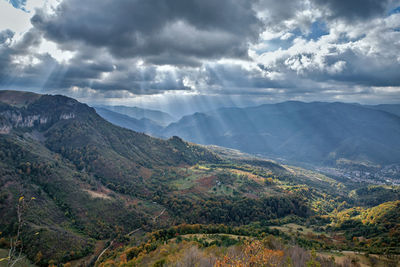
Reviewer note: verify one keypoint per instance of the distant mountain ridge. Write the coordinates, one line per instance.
(143, 125)
(318, 132)
(390, 108)
(160, 117)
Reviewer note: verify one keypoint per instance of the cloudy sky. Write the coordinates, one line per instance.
(188, 55)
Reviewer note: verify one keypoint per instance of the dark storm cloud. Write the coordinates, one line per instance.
(347, 66)
(87, 69)
(163, 31)
(122, 47)
(278, 11)
(353, 9)
(31, 39)
(8, 50)
(22, 67)
(364, 70)
(235, 76)
(225, 79)
(300, 14)
(6, 36)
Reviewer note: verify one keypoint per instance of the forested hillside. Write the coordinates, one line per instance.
(81, 177)
(81, 186)
(318, 133)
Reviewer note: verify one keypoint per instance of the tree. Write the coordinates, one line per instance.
(16, 245)
(254, 254)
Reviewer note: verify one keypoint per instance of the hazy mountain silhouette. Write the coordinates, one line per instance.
(317, 132)
(157, 116)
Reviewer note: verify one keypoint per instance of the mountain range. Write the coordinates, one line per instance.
(159, 117)
(77, 189)
(316, 133)
(143, 125)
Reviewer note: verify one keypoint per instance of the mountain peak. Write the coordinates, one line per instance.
(18, 98)
(29, 110)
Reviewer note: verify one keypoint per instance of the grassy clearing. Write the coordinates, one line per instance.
(292, 228)
(221, 190)
(185, 182)
(211, 237)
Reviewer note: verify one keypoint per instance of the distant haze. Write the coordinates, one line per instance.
(319, 133)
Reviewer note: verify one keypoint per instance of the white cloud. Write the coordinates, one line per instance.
(355, 57)
(363, 46)
(51, 48)
(14, 19)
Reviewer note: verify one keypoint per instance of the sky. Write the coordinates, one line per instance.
(182, 56)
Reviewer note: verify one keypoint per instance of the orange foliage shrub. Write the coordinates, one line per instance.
(254, 254)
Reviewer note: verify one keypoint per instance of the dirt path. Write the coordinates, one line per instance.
(101, 254)
(161, 213)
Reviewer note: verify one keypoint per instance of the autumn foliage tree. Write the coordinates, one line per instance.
(254, 254)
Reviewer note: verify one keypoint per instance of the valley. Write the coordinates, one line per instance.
(386, 175)
(92, 193)
(341, 136)
(199, 133)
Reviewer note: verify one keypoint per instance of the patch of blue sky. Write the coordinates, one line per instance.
(394, 11)
(317, 29)
(19, 4)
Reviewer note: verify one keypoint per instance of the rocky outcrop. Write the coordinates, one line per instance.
(32, 112)
(5, 129)
(15, 119)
